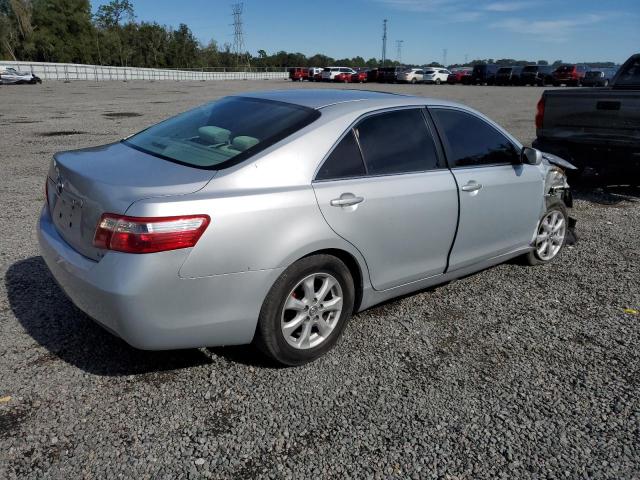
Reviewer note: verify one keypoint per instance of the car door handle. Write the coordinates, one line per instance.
(471, 187)
(346, 201)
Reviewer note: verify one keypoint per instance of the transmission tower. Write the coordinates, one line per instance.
(466, 58)
(444, 57)
(399, 50)
(242, 60)
(384, 41)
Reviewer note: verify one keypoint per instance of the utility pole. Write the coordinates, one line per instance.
(466, 58)
(238, 35)
(444, 58)
(384, 41)
(399, 50)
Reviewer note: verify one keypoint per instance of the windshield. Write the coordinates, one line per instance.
(222, 133)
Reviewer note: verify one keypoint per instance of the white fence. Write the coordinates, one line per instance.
(72, 71)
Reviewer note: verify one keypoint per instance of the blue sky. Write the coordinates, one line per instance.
(569, 30)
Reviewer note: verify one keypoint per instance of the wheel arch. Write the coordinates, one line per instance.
(354, 268)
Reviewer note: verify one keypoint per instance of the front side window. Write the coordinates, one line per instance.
(397, 142)
(222, 133)
(473, 142)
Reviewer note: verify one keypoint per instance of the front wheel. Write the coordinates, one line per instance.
(551, 235)
(438, 82)
(306, 310)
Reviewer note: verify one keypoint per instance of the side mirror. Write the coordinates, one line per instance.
(531, 156)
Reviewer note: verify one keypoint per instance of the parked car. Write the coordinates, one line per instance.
(313, 71)
(570, 75)
(359, 76)
(298, 74)
(211, 229)
(597, 130)
(484, 74)
(389, 74)
(457, 75)
(9, 75)
(410, 75)
(541, 75)
(372, 75)
(317, 77)
(508, 75)
(344, 75)
(435, 75)
(329, 74)
(598, 77)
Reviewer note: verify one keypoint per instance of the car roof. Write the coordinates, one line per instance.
(323, 98)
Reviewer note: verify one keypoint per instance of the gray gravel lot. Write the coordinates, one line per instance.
(516, 372)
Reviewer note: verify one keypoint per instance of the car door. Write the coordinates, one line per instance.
(501, 199)
(384, 189)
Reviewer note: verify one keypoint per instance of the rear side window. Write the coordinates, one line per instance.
(473, 142)
(222, 133)
(397, 142)
(344, 161)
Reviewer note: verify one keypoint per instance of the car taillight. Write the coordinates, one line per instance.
(540, 113)
(148, 234)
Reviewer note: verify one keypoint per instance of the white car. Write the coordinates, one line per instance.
(329, 73)
(9, 75)
(436, 75)
(313, 71)
(411, 75)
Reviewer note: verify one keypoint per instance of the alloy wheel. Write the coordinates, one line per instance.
(551, 235)
(311, 311)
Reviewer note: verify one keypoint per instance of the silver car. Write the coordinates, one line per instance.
(274, 216)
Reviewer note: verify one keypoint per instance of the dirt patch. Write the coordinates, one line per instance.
(121, 114)
(61, 133)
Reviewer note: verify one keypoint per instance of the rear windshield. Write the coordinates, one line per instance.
(566, 68)
(222, 133)
(530, 68)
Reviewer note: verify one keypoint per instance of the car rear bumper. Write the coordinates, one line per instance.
(141, 298)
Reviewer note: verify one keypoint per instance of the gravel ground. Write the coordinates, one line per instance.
(515, 372)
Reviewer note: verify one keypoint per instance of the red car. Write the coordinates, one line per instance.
(317, 77)
(358, 77)
(298, 74)
(344, 76)
(458, 74)
(569, 75)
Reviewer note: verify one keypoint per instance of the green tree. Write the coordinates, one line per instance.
(111, 14)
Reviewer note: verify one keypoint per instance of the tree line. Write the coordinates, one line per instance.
(67, 31)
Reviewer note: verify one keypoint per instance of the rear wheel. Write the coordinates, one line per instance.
(306, 310)
(414, 81)
(551, 234)
(438, 82)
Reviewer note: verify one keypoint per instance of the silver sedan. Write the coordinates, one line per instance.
(274, 216)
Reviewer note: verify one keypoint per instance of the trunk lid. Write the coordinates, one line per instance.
(84, 184)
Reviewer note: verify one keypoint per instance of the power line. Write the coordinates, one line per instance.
(399, 50)
(238, 36)
(384, 41)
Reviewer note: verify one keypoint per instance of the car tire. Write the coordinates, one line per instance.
(438, 82)
(606, 83)
(414, 81)
(538, 256)
(305, 341)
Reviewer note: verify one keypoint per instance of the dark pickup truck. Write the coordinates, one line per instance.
(596, 129)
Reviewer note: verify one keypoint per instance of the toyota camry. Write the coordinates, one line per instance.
(273, 217)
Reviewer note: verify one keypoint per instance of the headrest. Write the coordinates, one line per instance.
(243, 143)
(214, 134)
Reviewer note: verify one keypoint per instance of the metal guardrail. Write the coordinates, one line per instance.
(73, 71)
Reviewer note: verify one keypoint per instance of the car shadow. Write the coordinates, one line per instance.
(606, 191)
(54, 322)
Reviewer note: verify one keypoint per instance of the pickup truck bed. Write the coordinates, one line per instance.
(596, 129)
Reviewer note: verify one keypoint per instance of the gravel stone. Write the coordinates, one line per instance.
(515, 372)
